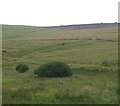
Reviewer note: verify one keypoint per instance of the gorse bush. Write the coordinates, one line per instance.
(53, 69)
(21, 68)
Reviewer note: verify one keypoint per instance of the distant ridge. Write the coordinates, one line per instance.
(96, 25)
(75, 26)
(86, 26)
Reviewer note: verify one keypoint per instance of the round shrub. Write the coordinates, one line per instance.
(21, 68)
(53, 69)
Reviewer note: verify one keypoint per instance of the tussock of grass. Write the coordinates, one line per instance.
(110, 63)
(69, 97)
(93, 69)
(74, 98)
(14, 96)
(40, 98)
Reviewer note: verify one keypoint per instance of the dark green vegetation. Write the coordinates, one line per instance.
(21, 68)
(91, 53)
(53, 69)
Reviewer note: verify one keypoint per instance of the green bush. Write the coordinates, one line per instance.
(21, 68)
(53, 69)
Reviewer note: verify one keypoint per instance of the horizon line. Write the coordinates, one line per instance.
(58, 25)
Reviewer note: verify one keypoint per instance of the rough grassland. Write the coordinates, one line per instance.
(84, 50)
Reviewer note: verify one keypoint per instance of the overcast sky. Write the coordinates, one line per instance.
(57, 12)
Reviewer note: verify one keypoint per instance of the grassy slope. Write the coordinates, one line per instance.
(32, 45)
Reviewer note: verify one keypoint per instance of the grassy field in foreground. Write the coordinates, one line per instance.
(92, 55)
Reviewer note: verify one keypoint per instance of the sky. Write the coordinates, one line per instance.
(57, 12)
